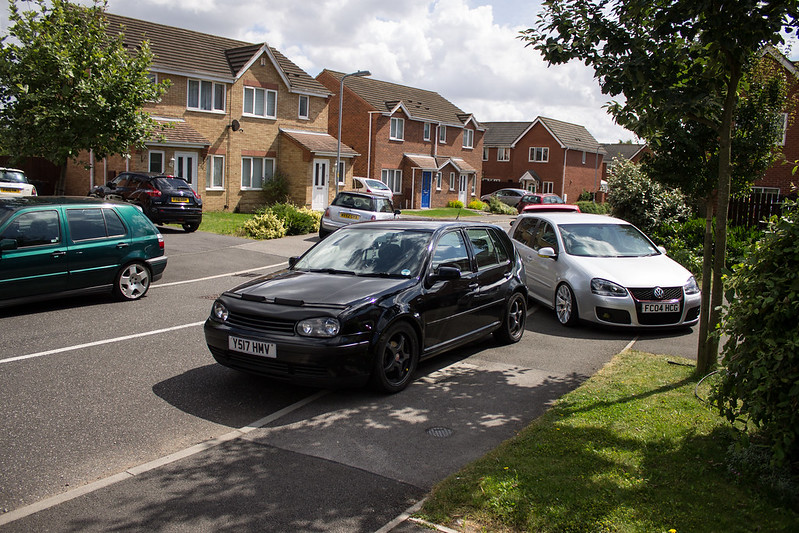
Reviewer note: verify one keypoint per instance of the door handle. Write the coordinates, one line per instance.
(57, 254)
(122, 245)
(474, 286)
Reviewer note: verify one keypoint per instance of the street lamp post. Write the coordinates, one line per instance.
(340, 107)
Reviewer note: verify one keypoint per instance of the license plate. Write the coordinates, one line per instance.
(180, 200)
(660, 308)
(261, 349)
(348, 215)
(13, 191)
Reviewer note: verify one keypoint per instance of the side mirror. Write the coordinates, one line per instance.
(662, 249)
(397, 212)
(8, 244)
(547, 253)
(444, 273)
(293, 261)
(111, 185)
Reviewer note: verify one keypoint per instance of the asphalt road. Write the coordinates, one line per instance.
(116, 417)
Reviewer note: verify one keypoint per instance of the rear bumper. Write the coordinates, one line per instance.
(174, 214)
(157, 266)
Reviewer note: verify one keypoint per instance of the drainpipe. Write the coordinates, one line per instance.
(596, 170)
(369, 147)
(91, 169)
(413, 186)
(563, 178)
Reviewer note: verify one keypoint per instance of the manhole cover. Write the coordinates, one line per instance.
(440, 432)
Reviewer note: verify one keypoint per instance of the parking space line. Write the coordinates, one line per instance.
(172, 283)
(101, 342)
(134, 471)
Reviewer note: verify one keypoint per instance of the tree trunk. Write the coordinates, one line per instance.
(707, 277)
(61, 186)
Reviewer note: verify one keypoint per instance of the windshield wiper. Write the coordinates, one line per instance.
(332, 271)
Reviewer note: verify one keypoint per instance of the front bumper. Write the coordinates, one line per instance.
(628, 312)
(328, 363)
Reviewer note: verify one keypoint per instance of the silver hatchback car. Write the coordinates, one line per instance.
(604, 270)
(349, 207)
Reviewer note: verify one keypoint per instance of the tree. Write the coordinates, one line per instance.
(67, 87)
(675, 62)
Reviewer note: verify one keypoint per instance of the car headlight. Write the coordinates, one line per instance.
(690, 286)
(603, 287)
(219, 311)
(318, 327)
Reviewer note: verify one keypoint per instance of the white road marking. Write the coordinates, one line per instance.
(132, 472)
(100, 342)
(170, 284)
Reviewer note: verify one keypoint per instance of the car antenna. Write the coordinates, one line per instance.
(458, 216)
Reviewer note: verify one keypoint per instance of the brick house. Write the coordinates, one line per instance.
(238, 114)
(417, 142)
(545, 155)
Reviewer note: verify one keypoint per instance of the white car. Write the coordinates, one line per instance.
(13, 182)
(349, 207)
(603, 270)
(372, 186)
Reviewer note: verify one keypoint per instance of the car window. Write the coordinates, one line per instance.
(606, 240)
(500, 245)
(140, 225)
(121, 180)
(13, 176)
(525, 231)
(170, 183)
(113, 224)
(35, 228)
(486, 251)
(451, 251)
(86, 224)
(384, 205)
(546, 237)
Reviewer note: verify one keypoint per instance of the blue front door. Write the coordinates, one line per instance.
(427, 180)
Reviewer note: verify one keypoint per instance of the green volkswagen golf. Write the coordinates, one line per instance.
(54, 246)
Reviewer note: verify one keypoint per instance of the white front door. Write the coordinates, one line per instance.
(186, 167)
(463, 189)
(321, 175)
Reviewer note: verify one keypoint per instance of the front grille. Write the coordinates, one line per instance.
(261, 323)
(265, 366)
(648, 294)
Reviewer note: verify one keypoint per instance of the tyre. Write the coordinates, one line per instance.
(323, 233)
(513, 322)
(396, 358)
(565, 305)
(191, 227)
(132, 281)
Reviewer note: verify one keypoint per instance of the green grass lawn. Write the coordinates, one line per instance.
(631, 450)
(224, 223)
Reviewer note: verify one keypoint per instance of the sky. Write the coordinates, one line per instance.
(468, 51)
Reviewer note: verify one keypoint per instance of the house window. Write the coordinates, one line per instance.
(156, 161)
(583, 158)
(303, 107)
(427, 129)
(438, 181)
(474, 185)
(451, 181)
(205, 95)
(468, 138)
(255, 171)
(215, 178)
(539, 155)
(392, 178)
(784, 119)
(766, 194)
(503, 154)
(341, 172)
(485, 153)
(442, 134)
(397, 129)
(548, 186)
(260, 102)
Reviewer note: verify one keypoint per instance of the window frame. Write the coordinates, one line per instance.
(439, 178)
(199, 95)
(485, 153)
(392, 177)
(210, 174)
(266, 93)
(442, 134)
(396, 129)
(150, 154)
(427, 134)
(547, 187)
(452, 181)
(468, 134)
(503, 154)
(534, 154)
(263, 166)
(307, 100)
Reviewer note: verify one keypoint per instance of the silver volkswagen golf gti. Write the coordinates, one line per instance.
(603, 270)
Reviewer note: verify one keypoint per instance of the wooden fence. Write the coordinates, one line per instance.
(753, 210)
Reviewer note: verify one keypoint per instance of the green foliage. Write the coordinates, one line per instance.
(594, 208)
(477, 205)
(499, 208)
(296, 220)
(264, 226)
(67, 87)
(585, 196)
(641, 201)
(276, 189)
(455, 203)
(760, 375)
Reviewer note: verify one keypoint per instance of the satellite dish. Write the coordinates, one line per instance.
(235, 125)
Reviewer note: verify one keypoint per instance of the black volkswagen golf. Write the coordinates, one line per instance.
(371, 301)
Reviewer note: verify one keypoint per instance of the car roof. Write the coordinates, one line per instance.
(365, 195)
(35, 201)
(423, 225)
(569, 217)
(149, 175)
(12, 169)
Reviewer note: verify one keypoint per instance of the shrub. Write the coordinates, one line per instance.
(477, 205)
(297, 220)
(276, 189)
(497, 207)
(643, 202)
(759, 379)
(585, 196)
(456, 204)
(591, 207)
(264, 226)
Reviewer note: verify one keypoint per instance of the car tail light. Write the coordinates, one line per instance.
(160, 241)
(33, 192)
(327, 212)
(373, 217)
(155, 193)
(195, 194)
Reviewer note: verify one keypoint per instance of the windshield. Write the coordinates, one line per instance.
(363, 251)
(171, 183)
(605, 240)
(13, 176)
